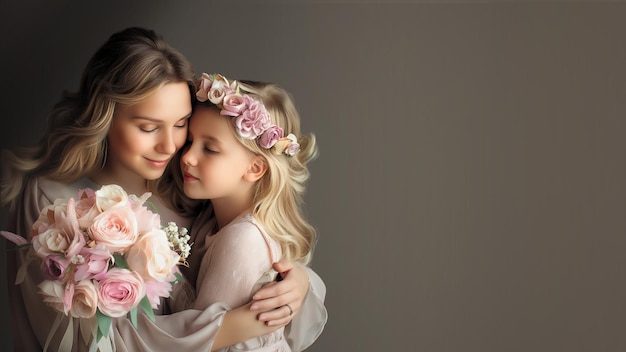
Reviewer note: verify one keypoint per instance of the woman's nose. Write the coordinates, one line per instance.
(167, 144)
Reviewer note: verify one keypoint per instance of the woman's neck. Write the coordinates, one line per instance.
(131, 182)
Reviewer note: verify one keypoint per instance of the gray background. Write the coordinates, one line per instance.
(470, 190)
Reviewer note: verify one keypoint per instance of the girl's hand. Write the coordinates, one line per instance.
(280, 301)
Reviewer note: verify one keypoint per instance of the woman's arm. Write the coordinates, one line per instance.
(311, 316)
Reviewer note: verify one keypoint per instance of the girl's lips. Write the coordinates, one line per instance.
(187, 177)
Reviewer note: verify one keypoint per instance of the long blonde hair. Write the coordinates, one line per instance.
(278, 195)
(127, 68)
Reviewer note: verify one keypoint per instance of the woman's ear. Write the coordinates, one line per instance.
(256, 170)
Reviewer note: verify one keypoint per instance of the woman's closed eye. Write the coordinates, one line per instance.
(148, 129)
(182, 124)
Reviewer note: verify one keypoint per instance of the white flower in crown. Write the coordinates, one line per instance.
(288, 145)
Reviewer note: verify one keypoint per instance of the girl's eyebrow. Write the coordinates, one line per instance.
(210, 139)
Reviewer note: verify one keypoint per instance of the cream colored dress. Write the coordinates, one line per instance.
(188, 330)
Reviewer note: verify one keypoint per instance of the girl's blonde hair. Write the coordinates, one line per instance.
(130, 66)
(278, 195)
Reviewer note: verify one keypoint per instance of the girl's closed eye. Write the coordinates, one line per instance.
(210, 150)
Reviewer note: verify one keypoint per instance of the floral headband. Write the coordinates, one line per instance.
(252, 121)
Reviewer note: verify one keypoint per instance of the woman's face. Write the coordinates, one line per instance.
(144, 137)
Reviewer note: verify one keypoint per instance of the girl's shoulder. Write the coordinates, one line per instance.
(246, 229)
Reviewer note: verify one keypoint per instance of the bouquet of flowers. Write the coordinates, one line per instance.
(104, 254)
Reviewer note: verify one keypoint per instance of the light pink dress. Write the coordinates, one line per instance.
(237, 262)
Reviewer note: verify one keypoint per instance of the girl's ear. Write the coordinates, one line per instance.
(256, 170)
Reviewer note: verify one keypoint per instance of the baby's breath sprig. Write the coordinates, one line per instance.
(179, 241)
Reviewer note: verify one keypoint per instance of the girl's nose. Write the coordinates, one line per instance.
(187, 158)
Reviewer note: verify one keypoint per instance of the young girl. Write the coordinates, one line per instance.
(123, 126)
(245, 154)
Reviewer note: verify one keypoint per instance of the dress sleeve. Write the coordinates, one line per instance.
(239, 255)
(308, 325)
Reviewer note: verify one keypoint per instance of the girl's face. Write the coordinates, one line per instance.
(214, 162)
(144, 137)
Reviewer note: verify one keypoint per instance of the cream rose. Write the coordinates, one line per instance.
(85, 300)
(116, 228)
(152, 257)
(111, 196)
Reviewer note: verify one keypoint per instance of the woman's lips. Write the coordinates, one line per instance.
(157, 163)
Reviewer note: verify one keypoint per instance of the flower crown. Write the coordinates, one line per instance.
(252, 121)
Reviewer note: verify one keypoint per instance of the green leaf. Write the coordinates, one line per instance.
(133, 317)
(104, 324)
(150, 204)
(179, 278)
(145, 304)
(120, 261)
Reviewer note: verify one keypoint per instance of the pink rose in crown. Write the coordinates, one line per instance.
(254, 120)
(233, 105)
(270, 137)
(203, 87)
(119, 291)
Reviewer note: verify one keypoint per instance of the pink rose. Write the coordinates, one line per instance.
(116, 228)
(152, 257)
(270, 137)
(254, 120)
(119, 291)
(54, 266)
(233, 105)
(84, 300)
(94, 264)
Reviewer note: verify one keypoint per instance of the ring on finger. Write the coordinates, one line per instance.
(290, 310)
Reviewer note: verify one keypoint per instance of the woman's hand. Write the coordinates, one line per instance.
(281, 300)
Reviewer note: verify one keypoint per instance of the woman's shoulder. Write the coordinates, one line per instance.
(45, 188)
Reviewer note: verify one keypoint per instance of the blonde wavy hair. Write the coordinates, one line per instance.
(127, 68)
(278, 195)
